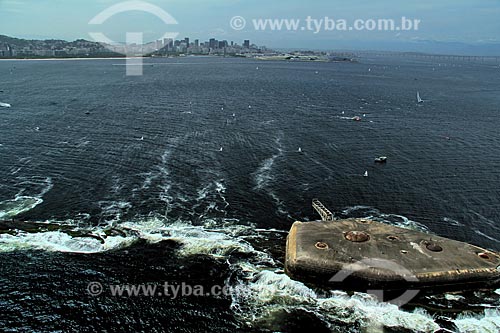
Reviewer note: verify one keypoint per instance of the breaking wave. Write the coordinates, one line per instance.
(14, 207)
(28, 197)
(56, 241)
(488, 322)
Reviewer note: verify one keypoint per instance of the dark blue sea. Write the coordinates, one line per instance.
(198, 162)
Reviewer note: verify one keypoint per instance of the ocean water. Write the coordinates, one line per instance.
(198, 161)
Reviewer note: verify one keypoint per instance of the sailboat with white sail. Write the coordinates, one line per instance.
(419, 99)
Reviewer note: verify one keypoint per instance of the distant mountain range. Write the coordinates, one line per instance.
(20, 43)
(11, 47)
(416, 45)
(438, 47)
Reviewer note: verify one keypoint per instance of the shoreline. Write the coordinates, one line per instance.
(105, 58)
(71, 59)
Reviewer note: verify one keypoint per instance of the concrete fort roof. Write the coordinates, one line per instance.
(356, 254)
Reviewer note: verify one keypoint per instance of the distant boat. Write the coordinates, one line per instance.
(366, 174)
(5, 105)
(381, 159)
(220, 149)
(419, 100)
(357, 118)
(300, 150)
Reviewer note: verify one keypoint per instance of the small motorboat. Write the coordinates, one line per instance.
(357, 118)
(5, 105)
(381, 159)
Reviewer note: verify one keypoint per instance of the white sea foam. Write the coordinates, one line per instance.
(264, 174)
(196, 239)
(55, 241)
(453, 297)
(113, 210)
(161, 172)
(486, 236)
(269, 294)
(34, 186)
(11, 208)
(82, 143)
(489, 322)
(24, 202)
(148, 179)
(261, 292)
(453, 222)
(279, 203)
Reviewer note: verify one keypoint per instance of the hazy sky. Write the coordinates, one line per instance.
(443, 20)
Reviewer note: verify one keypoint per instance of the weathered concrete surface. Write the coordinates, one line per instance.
(369, 254)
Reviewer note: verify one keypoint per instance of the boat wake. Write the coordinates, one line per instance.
(265, 176)
(211, 198)
(265, 173)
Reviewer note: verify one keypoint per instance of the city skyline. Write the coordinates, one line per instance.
(449, 22)
(13, 47)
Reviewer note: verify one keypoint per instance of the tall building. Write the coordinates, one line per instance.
(213, 43)
(186, 40)
(196, 43)
(222, 44)
(246, 44)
